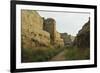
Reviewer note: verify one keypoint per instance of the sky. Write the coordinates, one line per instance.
(67, 22)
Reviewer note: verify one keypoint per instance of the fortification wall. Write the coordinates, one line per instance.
(50, 26)
(32, 30)
(37, 31)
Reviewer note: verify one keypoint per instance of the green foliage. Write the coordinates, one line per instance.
(39, 54)
(42, 54)
(75, 53)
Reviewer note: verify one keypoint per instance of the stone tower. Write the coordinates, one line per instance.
(50, 26)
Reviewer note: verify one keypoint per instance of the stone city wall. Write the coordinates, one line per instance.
(36, 31)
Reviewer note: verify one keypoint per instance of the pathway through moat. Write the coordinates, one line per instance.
(59, 57)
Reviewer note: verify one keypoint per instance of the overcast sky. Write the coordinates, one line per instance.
(69, 22)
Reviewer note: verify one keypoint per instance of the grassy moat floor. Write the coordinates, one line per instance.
(43, 54)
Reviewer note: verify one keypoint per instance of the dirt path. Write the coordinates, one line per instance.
(59, 57)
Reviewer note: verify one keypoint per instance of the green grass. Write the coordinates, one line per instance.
(42, 54)
(74, 53)
(39, 54)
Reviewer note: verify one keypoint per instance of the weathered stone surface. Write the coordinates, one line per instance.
(67, 39)
(32, 30)
(50, 26)
(58, 40)
(82, 39)
(37, 31)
